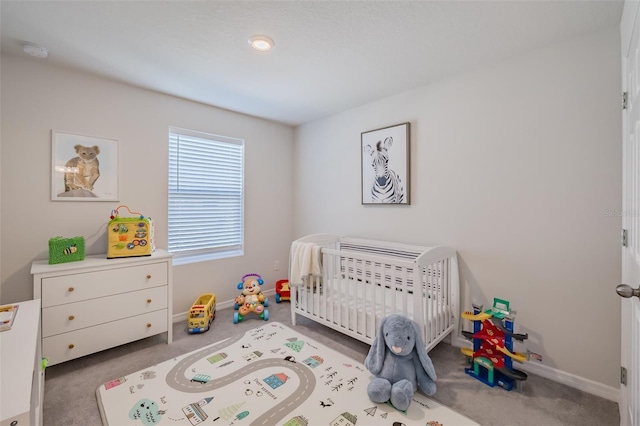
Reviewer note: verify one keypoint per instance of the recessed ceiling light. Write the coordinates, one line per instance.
(261, 42)
(35, 50)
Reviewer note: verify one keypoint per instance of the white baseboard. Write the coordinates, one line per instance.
(577, 382)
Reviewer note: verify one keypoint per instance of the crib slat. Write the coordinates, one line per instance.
(438, 296)
(327, 268)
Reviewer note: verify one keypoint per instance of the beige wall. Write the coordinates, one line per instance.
(37, 98)
(515, 166)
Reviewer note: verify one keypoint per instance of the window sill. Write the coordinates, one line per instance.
(187, 258)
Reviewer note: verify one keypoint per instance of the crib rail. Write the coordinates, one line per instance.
(382, 248)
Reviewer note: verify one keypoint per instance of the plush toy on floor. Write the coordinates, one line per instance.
(252, 299)
(398, 358)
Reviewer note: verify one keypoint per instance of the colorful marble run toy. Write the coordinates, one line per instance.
(492, 355)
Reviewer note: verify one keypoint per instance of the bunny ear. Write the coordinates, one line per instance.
(421, 349)
(375, 358)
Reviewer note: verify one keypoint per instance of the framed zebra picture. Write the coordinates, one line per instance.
(385, 165)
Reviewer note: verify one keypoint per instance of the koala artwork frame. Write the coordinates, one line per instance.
(83, 167)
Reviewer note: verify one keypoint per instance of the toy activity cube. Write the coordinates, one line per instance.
(129, 236)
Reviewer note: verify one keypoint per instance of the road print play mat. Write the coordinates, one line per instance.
(271, 375)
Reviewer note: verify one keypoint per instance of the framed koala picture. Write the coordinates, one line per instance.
(83, 168)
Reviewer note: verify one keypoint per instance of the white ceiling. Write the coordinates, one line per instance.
(329, 56)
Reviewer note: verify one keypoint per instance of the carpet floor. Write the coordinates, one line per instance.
(70, 387)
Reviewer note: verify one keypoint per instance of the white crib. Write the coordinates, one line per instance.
(363, 281)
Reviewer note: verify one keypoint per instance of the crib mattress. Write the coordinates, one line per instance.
(362, 305)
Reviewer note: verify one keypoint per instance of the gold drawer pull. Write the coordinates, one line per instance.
(149, 276)
(71, 289)
(149, 325)
(71, 317)
(71, 346)
(148, 300)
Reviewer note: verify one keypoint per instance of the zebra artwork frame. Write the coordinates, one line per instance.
(385, 165)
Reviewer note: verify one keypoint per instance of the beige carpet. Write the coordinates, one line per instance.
(70, 387)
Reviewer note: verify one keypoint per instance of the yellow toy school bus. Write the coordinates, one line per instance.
(202, 312)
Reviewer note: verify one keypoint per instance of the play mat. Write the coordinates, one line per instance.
(271, 375)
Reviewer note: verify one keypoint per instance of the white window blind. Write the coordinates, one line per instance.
(206, 195)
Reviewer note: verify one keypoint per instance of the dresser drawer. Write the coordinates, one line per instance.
(68, 346)
(76, 287)
(77, 315)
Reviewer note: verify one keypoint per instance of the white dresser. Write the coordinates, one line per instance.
(21, 374)
(99, 303)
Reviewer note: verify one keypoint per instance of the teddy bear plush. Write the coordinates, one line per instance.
(398, 359)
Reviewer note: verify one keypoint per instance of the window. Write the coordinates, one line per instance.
(206, 196)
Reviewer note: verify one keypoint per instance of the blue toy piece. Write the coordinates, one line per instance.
(252, 299)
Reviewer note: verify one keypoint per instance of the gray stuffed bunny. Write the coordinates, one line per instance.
(398, 358)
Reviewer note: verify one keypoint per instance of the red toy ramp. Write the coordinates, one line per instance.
(498, 323)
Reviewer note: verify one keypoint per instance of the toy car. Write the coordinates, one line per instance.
(202, 312)
(201, 378)
(283, 291)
